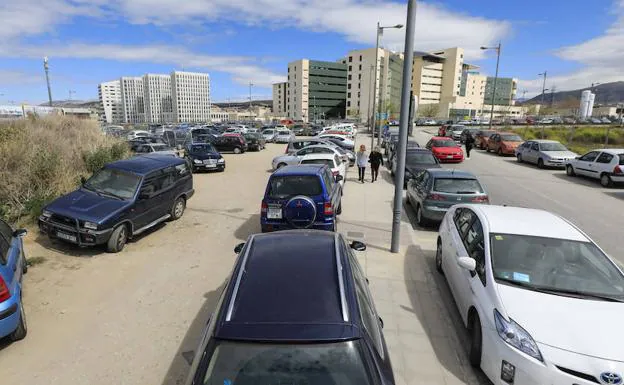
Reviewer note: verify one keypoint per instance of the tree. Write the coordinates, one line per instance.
(429, 110)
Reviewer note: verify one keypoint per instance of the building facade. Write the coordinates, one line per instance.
(279, 98)
(191, 96)
(506, 89)
(132, 98)
(109, 94)
(158, 98)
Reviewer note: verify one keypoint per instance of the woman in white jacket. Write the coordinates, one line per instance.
(361, 158)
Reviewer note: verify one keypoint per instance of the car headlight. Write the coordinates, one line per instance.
(516, 336)
(197, 161)
(90, 225)
(46, 213)
(221, 160)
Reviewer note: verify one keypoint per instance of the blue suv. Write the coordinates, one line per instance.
(300, 197)
(12, 267)
(122, 200)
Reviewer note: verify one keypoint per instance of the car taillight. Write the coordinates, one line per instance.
(264, 207)
(436, 197)
(327, 209)
(4, 291)
(617, 170)
(481, 199)
(286, 152)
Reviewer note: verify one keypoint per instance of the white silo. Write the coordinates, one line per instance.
(590, 105)
(584, 103)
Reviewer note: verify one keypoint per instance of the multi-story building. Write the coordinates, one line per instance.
(158, 98)
(316, 89)
(279, 98)
(109, 94)
(506, 89)
(132, 98)
(191, 96)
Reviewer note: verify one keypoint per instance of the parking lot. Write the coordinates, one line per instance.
(133, 317)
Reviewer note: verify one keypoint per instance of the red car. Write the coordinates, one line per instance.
(445, 149)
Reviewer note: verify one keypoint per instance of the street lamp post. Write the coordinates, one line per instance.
(250, 85)
(46, 69)
(544, 89)
(379, 33)
(498, 51)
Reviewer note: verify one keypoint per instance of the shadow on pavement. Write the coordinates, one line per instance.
(433, 304)
(179, 368)
(615, 194)
(586, 181)
(250, 226)
(411, 215)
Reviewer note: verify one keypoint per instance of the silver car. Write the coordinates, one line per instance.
(284, 136)
(294, 158)
(544, 153)
(269, 135)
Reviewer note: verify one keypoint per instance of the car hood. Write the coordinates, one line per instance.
(578, 325)
(413, 168)
(445, 150)
(210, 155)
(86, 205)
(561, 154)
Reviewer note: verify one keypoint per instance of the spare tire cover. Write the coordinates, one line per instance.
(300, 212)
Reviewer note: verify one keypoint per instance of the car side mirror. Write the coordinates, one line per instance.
(239, 248)
(83, 180)
(20, 233)
(339, 178)
(381, 323)
(467, 263)
(357, 246)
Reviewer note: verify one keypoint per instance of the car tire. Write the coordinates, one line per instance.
(24, 265)
(487, 149)
(570, 170)
(118, 239)
(237, 150)
(438, 257)
(22, 328)
(339, 209)
(476, 341)
(519, 157)
(540, 163)
(420, 219)
(177, 210)
(605, 180)
(499, 152)
(280, 165)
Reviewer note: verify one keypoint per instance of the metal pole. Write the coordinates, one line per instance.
(405, 100)
(250, 85)
(498, 49)
(375, 88)
(46, 68)
(542, 106)
(371, 112)
(621, 115)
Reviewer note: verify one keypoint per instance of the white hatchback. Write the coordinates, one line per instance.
(606, 165)
(334, 161)
(543, 303)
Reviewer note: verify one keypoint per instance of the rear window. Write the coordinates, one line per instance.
(621, 159)
(283, 133)
(328, 162)
(457, 186)
(511, 138)
(291, 185)
(444, 143)
(420, 157)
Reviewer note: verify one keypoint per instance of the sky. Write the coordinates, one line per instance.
(577, 42)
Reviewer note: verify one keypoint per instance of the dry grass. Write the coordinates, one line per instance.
(43, 158)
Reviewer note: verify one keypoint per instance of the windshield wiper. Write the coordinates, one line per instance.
(109, 194)
(556, 291)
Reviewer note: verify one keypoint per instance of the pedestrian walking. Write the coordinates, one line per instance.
(375, 159)
(361, 158)
(469, 142)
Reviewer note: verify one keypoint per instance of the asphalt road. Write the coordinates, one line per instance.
(596, 210)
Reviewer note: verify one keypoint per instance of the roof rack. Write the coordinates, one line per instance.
(343, 297)
(239, 277)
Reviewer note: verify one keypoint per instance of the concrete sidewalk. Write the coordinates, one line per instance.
(423, 330)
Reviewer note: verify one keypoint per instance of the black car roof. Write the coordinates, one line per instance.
(144, 164)
(286, 286)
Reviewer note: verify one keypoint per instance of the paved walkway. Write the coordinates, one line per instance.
(425, 336)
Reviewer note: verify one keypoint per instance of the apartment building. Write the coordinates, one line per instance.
(191, 96)
(109, 94)
(158, 98)
(279, 98)
(132, 98)
(316, 89)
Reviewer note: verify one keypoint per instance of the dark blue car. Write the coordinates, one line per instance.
(122, 200)
(296, 310)
(298, 197)
(12, 267)
(204, 157)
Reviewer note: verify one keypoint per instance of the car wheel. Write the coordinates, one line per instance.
(22, 327)
(237, 150)
(438, 257)
(500, 152)
(487, 149)
(281, 165)
(605, 180)
(570, 170)
(339, 209)
(476, 341)
(118, 239)
(540, 163)
(519, 157)
(420, 219)
(24, 265)
(177, 210)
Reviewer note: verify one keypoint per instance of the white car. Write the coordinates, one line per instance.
(135, 134)
(337, 165)
(543, 303)
(346, 142)
(294, 158)
(605, 164)
(284, 136)
(430, 122)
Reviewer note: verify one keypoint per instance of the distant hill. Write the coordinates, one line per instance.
(74, 103)
(266, 103)
(607, 93)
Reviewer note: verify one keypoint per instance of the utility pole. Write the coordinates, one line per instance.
(250, 85)
(498, 52)
(46, 69)
(399, 178)
(539, 114)
(371, 105)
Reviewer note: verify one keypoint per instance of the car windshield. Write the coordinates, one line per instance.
(202, 149)
(340, 150)
(557, 265)
(329, 162)
(511, 138)
(302, 364)
(283, 133)
(444, 143)
(161, 147)
(291, 185)
(251, 135)
(419, 158)
(268, 132)
(556, 146)
(457, 186)
(113, 182)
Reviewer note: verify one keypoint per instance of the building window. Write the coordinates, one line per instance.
(350, 69)
(348, 94)
(349, 86)
(360, 57)
(360, 67)
(349, 77)
(348, 103)
(350, 59)
(359, 76)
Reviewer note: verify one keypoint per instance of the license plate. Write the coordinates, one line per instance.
(449, 157)
(67, 237)
(274, 213)
(210, 161)
(210, 165)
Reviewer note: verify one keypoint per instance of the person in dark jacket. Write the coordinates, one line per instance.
(469, 142)
(375, 159)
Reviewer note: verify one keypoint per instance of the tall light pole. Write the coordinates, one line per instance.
(498, 51)
(544, 89)
(46, 68)
(379, 33)
(250, 85)
(314, 102)
(399, 178)
(371, 104)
